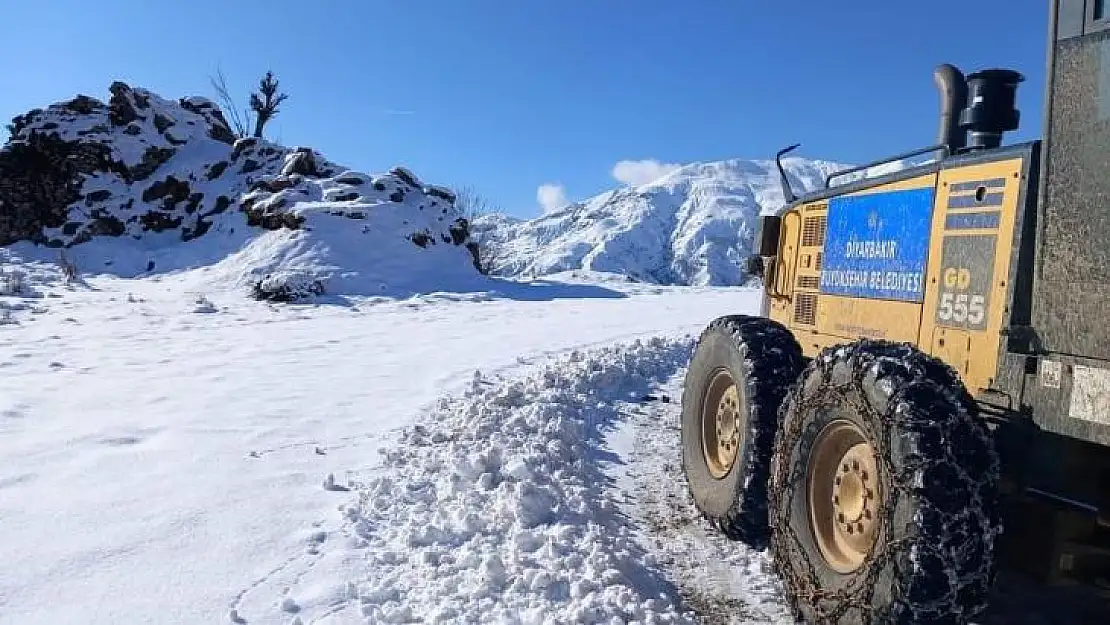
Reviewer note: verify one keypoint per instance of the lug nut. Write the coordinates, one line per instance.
(846, 468)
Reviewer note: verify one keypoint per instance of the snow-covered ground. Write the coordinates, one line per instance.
(503, 456)
(170, 456)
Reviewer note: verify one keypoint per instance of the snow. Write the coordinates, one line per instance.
(166, 465)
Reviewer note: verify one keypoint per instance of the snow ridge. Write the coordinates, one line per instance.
(694, 226)
(496, 509)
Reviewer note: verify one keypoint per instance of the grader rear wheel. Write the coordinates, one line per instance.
(883, 487)
(737, 377)
(844, 494)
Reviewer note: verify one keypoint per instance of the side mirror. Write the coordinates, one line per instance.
(754, 266)
(767, 239)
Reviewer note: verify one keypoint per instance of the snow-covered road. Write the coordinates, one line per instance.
(159, 461)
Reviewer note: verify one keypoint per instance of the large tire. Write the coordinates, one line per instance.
(909, 511)
(759, 359)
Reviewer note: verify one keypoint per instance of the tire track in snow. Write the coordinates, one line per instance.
(724, 582)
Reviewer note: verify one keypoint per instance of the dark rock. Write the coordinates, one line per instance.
(150, 265)
(161, 122)
(199, 229)
(121, 106)
(71, 228)
(347, 197)
(350, 180)
(273, 185)
(475, 255)
(158, 221)
(40, 177)
(194, 203)
(170, 191)
(302, 161)
(222, 134)
(286, 288)
(222, 204)
(421, 239)
(397, 196)
(21, 122)
(141, 101)
(83, 105)
(379, 186)
(106, 225)
(270, 217)
(217, 170)
(460, 231)
(49, 126)
(218, 128)
(153, 158)
(98, 196)
(242, 145)
(250, 165)
(356, 215)
(407, 176)
(133, 130)
(442, 193)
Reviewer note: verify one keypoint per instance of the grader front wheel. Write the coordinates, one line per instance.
(883, 485)
(737, 377)
(722, 425)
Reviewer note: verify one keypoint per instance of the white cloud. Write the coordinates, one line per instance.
(636, 173)
(551, 197)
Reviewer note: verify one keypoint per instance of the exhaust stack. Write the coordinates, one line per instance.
(992, 95)
(952, 86)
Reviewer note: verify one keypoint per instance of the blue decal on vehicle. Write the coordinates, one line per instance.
(877, 244)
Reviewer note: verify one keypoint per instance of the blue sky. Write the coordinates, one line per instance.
(510, 95)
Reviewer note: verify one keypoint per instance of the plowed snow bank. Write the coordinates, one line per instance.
(496, 507)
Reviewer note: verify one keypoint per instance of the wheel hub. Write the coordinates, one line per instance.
(844, 495)
(722, 425)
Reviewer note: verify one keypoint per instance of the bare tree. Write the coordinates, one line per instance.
(240, 119)
(472, 204)
(265, 102)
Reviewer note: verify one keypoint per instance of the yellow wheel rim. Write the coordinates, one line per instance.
(844, 494)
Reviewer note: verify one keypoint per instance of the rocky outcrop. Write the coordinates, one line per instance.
(142, 164)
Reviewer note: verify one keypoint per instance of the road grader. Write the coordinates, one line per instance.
(924, 398)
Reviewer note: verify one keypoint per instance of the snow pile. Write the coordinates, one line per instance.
(496, 509)
(147, 185)
(695, 226)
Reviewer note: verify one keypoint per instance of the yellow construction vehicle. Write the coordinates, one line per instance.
(925, 397)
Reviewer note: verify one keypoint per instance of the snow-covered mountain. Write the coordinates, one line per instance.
(143, 184)
(694, 226)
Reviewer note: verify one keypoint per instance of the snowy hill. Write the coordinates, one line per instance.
(694, 226)
(143, 184)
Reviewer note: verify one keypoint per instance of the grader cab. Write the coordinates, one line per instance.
(925, 397)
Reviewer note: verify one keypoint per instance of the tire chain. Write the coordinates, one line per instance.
(859, 593)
